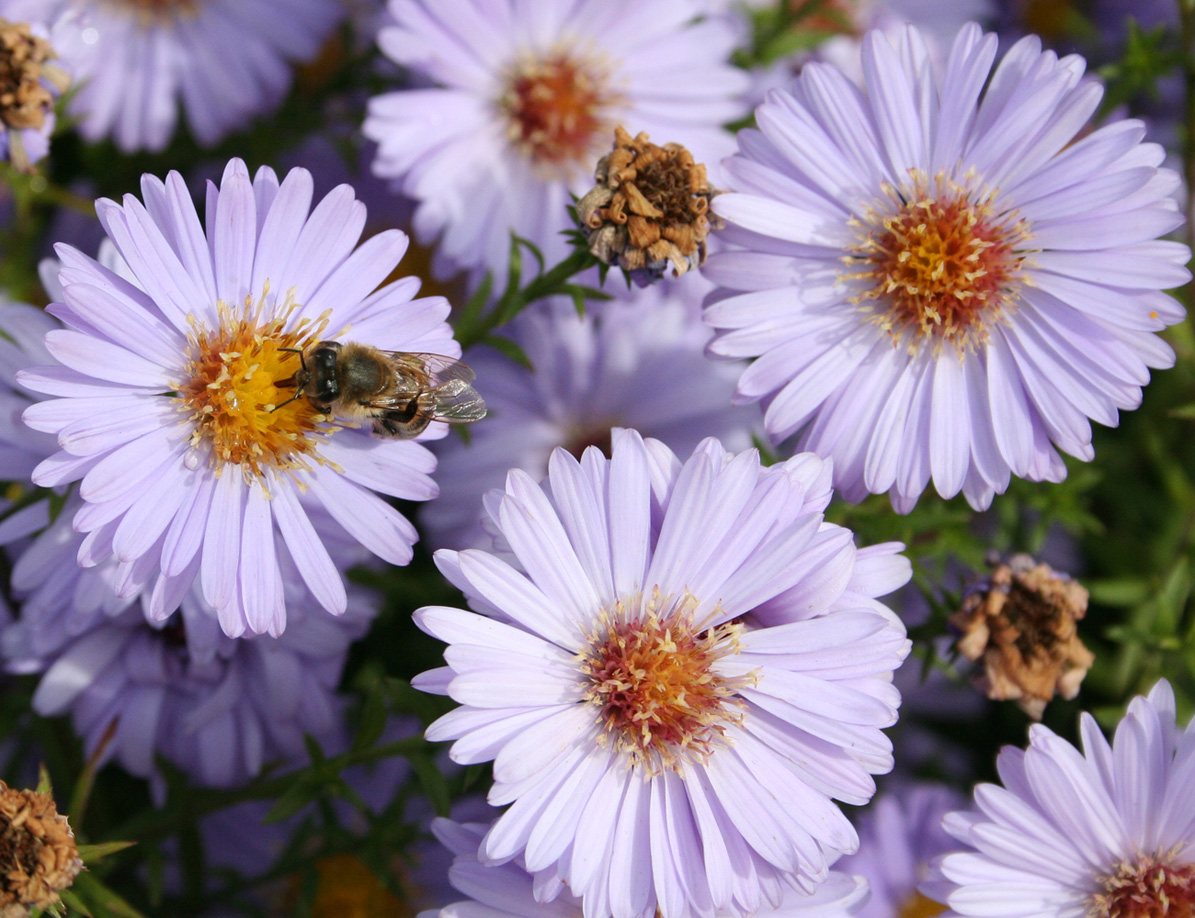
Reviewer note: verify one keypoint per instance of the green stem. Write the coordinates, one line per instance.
(35, 188)
(551, 283)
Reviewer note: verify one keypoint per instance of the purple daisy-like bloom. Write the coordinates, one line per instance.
(525, 100)
(938, 280)
(638, 365)
(676, 673)
(218, 708)
(1108, 831)
(898, 838)
(224, 60)
(188, 452)
(509, 891)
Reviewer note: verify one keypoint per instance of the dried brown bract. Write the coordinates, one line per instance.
(29, 84)
(1022, 622)
(649, 209)
(38, 855)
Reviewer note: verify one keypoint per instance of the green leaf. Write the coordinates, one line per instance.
(432, 780)
(509, 349)
(102, 902)
(89, 854)
(372, 720)
(71, 899)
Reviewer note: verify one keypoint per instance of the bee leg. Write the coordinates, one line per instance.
(289, 400)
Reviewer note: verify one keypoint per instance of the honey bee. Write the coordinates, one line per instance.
(401, 392)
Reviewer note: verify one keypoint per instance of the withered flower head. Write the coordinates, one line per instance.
(649, 209)
(38, 855)
(29, 84)
(1021, 622)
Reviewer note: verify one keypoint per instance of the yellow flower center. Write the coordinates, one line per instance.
(557, 109)
(650, 673)
(919, 906)
(1153, 887)
(935, 262)
(349, 889)
(232, 394)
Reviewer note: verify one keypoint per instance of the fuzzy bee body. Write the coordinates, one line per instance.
(401, 392)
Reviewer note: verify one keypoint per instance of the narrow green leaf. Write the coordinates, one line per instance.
(92, 853)
(104, 903)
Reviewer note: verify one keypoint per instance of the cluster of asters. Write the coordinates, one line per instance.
(932, 273)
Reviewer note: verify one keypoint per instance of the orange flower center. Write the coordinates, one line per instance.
(651, 674)
(936, 262)
(153, 12)
(557, 108)
(241, 416)
(920, 906)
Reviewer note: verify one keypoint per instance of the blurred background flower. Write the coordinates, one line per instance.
(222, 61)
(514, 103)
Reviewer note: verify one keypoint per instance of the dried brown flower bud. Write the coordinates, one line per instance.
(38, 855)
(649, 209)
(29, 84)
(1021, 621)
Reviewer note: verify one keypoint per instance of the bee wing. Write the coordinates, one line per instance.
(441, 385)
(441, 369)
(457, 402)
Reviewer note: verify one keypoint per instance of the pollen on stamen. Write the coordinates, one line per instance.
(1150, 887)
(936, 262)
(239, 393)
(557, 108)
(650, 671)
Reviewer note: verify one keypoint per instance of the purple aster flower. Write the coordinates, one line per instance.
(638, 364)
(22, 330)
(510, 891)
(938, 279)
(898, 838)
(33, 81)
(224, 60)
(676, 672)
(847, 22)
(189, 453)
(218, 708)
(1109, 831)
(525, 100)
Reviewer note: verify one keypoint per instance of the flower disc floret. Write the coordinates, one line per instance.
(1150, 887)
(557, 107)
(150, 11)
(240, 414)
(651, 674)
(936, 262)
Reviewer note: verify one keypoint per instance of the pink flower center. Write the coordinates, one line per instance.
(936, 262)
(558, 108)
(1150, 888)
(651, 673)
